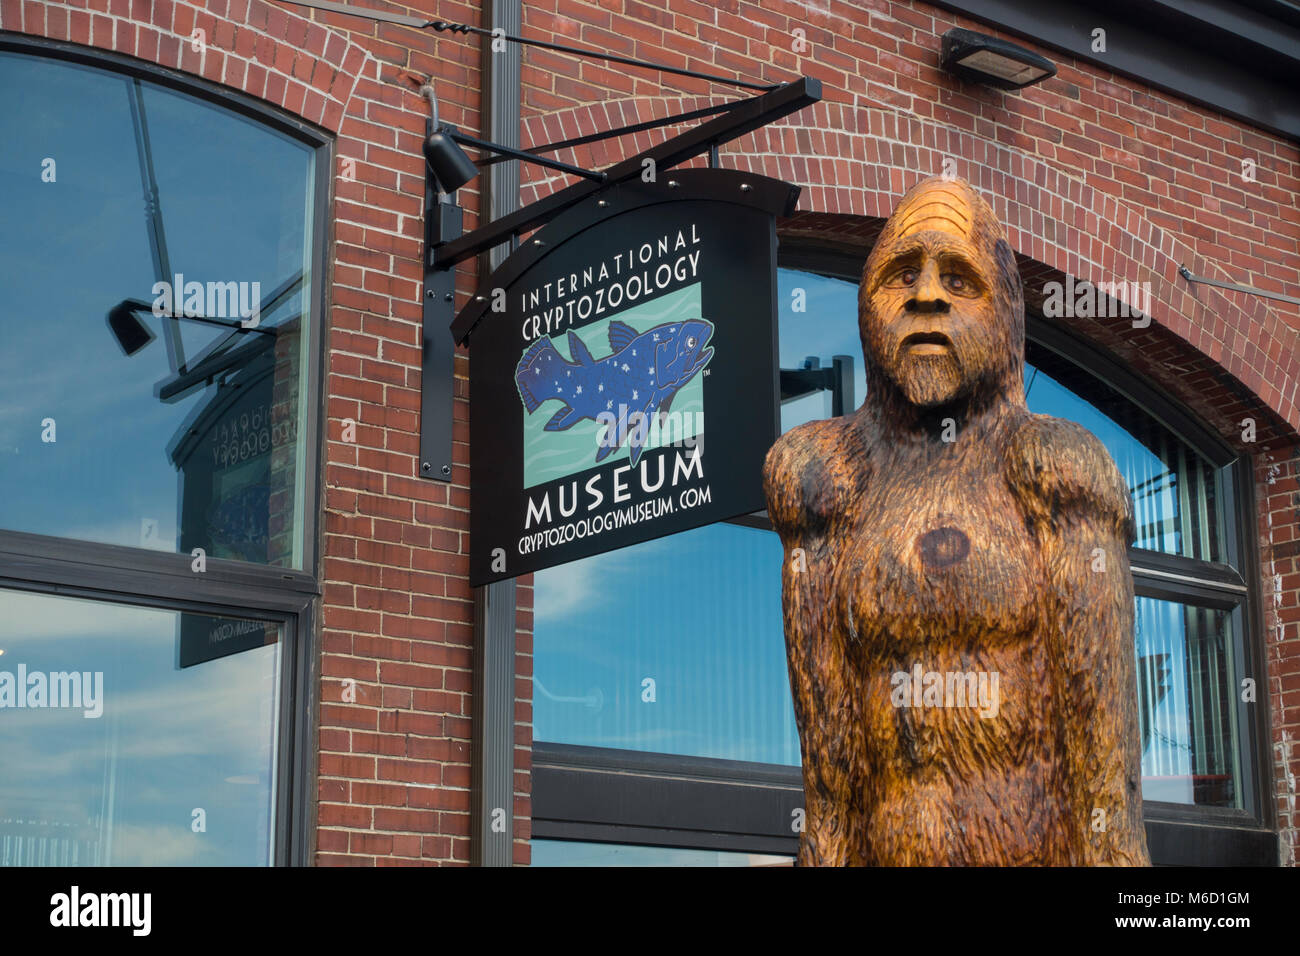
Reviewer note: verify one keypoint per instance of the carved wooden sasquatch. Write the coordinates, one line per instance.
(942, 529)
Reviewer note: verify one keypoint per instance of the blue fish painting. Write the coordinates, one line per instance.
(626, 389)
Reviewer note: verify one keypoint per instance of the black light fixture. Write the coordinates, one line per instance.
(447, 160)
(978, 58)
(836, 378)
(450, 168)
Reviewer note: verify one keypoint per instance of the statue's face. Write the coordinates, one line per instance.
(929, 303)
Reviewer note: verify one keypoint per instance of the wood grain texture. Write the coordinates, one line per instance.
(943, 529)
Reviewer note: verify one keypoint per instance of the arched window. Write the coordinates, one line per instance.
(159, 420)
(666, 660)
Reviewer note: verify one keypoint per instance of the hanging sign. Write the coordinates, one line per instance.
(623, 381)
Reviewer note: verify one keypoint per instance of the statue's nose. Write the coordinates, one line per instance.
(930, 295)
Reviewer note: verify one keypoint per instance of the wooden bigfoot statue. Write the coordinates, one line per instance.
(958, 606)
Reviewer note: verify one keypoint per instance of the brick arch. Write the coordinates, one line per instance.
(299, 65)
(855, 163)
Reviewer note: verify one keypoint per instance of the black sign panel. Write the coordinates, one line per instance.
(625, 385)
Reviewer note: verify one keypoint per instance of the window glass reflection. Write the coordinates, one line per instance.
(1187, 697)
(152, 745)
(671, 646)
(130, 197)
(699, 614)
(1177, 504)
(817, 318)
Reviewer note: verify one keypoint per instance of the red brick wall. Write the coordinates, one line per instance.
(1279, 534)
(1093, 175)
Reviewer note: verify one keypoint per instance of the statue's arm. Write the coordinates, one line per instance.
(1079, 508)
(799, 493)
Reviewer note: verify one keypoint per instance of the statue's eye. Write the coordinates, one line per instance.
(690, 341)
(961, 284)
(907, 276)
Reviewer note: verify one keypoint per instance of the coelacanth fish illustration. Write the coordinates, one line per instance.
(638, 379)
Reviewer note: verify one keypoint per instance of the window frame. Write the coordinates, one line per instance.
(238, 589)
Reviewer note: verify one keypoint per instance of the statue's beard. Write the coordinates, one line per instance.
(928, 377)
(930, 380)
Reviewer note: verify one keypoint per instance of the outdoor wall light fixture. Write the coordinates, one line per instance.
(125, 319)
(451, 168)
(447, 160)
(978, 58)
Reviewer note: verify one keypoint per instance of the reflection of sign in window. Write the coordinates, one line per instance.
(226, 458)
(204, 638)
(226, 455)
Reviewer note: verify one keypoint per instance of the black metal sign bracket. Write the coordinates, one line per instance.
(443, 221)
(446, 245)
(740, 120)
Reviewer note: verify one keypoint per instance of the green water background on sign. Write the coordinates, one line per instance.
(552, 455)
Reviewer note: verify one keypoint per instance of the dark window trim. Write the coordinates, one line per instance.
(659, 837)
(827, 260)
(1187, 844)
(1176, 567)
(1146, 395)
(1251, 636)
(43, 558)
(140, 576)
(600, 795)
(1152, 582)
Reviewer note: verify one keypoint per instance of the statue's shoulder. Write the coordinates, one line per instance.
(802, 475)
(807, 448)
(1060, 468)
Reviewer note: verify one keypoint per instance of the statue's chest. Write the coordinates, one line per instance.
(939, 559)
